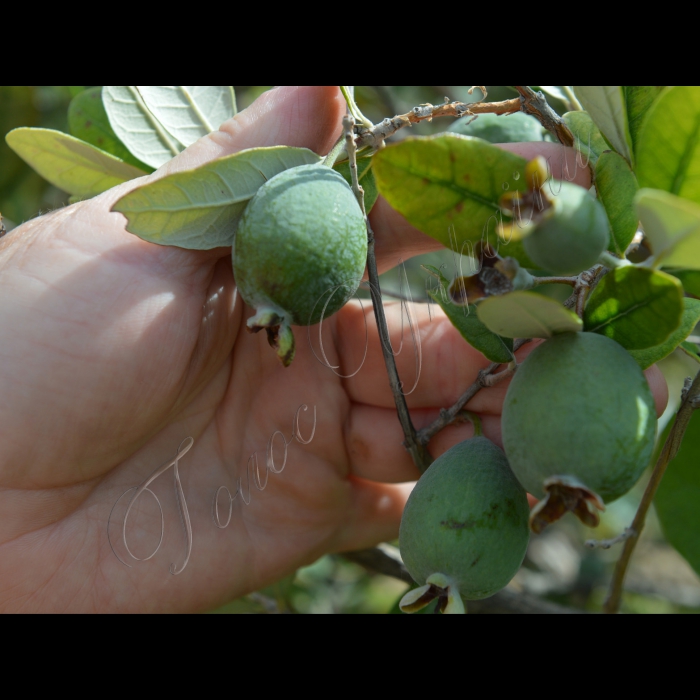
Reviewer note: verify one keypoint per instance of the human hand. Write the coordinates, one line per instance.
(115, 350)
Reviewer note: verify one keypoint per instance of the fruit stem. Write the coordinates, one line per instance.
(332, 157)
(475, 421)
(611, 262)
(572, 281)
(421, 457)
(668, 453)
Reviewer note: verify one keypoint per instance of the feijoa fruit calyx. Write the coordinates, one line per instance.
(464, 531)
(300, 252)
(579, 426)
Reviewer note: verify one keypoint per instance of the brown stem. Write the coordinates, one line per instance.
(421, 457)
(535, 103)
(668, 453)
(486, 379)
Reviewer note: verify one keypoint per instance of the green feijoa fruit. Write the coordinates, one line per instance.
(579, 425)
(465, 526)
(510, 128)
(572, 234)
(300, 252)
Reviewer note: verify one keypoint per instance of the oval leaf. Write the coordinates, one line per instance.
(73, 166)
(637, 307)
(200, 209)
(669, 144)
(527, 315)
(448, 183)
(672, 228)
(589, 141)
(678, 497)
(617, 188)
(466, 320)
(639, 99)
(189, 112)
(608, 109)
(88, 121)
(691, 318)
(136, 127)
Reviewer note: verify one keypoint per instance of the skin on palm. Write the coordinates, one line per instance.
(114, 350)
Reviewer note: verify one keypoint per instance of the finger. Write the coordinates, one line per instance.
(374, 440)
(435, 373)
(397, 240)
(659, 388)
(375, 515)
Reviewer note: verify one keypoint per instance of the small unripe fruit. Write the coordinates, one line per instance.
(571, 235)
(579, 425)
(465, 524)
(300, 252)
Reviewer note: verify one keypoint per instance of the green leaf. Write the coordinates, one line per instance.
(73, 166)
(137, 128)
(672, 228)
(637, 307)
(200, 209)
(189, 112)
(448, 183)
(589, 141)
(607, 106)
(88, 121)
(366, 177)
(527, 315)
(639, 99)
(679, 495)
(466, 321)
(691, 317)
(691, 349)
(689, 278)
(668, 156)
(617, 188)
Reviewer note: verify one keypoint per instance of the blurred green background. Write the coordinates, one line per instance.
(559, 566)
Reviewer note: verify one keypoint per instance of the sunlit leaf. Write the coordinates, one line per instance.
(689, 278)
(672, 228)
(639, 99)
(189, 112)
(73, 166)
(527, 315)
(668, 152)
(617, 187)
(448, 186)
(607, 106)
(637, 307)
(137, 128)
(200, 208)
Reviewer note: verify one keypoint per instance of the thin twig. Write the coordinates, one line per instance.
(668, 453)
(386, 560)
(380, 132)
(571, 281)
(535, 103)
(529, 102)
(421, 457)
(486, 379)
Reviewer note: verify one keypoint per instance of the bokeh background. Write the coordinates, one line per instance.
(559, 567)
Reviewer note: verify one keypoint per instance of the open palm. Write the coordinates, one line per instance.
(114, 351)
